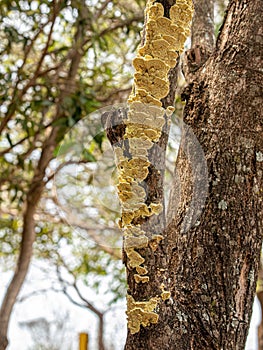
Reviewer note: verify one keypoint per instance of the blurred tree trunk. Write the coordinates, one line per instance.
(211, 264)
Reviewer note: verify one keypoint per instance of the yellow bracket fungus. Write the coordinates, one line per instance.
(135, 242)
(165, 293)
(135, 259)
(141, 270)
(156, 87)
(154, 67)
(155, 240)
(163, 42)
(141, 279)
(135, 169)
(141, 313)
(139, 147)
(155, 11)
(144, 97)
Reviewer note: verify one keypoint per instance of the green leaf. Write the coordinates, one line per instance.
(108, 71)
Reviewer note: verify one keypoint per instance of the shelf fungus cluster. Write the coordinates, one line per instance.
(162, 43)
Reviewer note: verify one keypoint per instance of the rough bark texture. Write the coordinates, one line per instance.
(211, 269)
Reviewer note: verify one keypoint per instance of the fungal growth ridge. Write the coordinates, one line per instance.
(164, 40)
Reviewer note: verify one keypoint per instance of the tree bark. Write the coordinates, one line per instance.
(212, 266)
(203, 24)
(202, 38)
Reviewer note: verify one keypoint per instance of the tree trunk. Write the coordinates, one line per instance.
(101, 333)
(211, 265)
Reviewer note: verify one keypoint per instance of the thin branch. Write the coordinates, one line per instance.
(64, 283)
(65, 292)
(113, 94)
(117, 25)
(89, 305)
(36, 293)
(35, 139)
(121, 24)
(7, 150)
(91, 231)
(63, 165)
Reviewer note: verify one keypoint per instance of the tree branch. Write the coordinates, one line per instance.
(202, 38)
